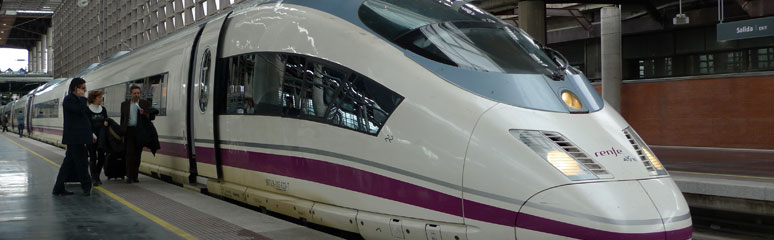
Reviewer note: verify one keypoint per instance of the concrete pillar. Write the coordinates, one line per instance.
(532, 18)
(44, 54)
(29, 60)
(50, 47)
(34, 59)
(40, 56)
(611, 56)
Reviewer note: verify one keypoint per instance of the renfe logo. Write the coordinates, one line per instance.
(612, 151)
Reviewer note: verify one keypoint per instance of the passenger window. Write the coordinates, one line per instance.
(153, 90)
(47, 109)
(297, 86)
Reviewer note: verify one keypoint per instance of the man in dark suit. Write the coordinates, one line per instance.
(76, 134)
(131, 110)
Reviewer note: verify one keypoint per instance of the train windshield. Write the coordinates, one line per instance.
(458, 34)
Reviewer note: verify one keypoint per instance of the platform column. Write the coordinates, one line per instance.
(611, 56)
(40, 56)
(50, 51)
(44, 53)
(532, 18)
(34, 59)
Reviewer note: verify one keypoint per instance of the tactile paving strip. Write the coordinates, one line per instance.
(192, 221)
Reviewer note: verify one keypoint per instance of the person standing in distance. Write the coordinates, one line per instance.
(131, 109)
(4, 122)
(76, 134)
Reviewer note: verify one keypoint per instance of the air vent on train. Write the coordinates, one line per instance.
(578, 154)
(562, 154)
(651, 162)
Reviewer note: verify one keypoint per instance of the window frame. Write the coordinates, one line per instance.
(349, 79)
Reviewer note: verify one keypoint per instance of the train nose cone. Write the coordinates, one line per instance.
(607, 210)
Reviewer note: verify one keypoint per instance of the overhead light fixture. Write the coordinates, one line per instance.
(681, 18)
(10, 12)
(35, 11)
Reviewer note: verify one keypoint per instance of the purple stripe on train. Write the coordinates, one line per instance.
(344, 177)
(540, 224)
(380, 186)
(47, 130)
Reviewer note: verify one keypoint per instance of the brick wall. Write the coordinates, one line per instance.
(730, 113)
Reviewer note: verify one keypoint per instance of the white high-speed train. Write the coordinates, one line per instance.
(393, 119)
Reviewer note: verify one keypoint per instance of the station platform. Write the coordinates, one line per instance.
(150, 209)
(739, 180)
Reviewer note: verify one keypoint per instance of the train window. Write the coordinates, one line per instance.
(154, 90)
(204, 80)
(47, 109)
(456, 34)
(303, 87)
(393, 18)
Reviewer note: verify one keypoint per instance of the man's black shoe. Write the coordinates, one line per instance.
(135, 180)
(129, 181)
(64, 193)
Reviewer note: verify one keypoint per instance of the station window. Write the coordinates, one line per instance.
(765, 58)
(304, 87)
(647, 68)
(668, 66)
(47, 109)
(734, 61)
(706, 63)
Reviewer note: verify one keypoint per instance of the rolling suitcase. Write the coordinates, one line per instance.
(115, 166)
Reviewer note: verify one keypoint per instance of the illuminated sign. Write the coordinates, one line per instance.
(753, 28)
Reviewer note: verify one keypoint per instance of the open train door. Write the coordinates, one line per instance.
(202, 112)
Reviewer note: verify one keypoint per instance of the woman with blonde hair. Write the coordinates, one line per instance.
(98, 116)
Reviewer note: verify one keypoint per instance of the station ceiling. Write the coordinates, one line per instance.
(23, 22)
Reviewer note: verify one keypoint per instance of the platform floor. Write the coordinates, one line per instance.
(742, 162)
(151, 209)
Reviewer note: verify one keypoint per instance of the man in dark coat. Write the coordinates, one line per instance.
(131, 111)
(76, 134)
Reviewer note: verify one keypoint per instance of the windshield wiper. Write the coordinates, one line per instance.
(556, 56)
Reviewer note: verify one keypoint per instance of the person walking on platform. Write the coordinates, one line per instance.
(4, 122)
(98, 116)
(20, 121)
(76, 134)
(131, 110)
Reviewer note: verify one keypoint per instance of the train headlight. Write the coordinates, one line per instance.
(651, 162)
(571, 100)
(562, 154)
(564, 163)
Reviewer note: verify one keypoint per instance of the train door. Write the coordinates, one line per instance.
(31, 112)
(201, 121)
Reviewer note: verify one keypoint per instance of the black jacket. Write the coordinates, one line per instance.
(147, 136)
(77, 125)
(110, 138)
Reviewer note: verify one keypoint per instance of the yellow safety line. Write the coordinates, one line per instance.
(725, 175)
(146, 214)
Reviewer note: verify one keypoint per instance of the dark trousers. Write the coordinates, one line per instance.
(5, 127)
(21, 130)
(96, 161)
(133, 153)
(75, 162)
